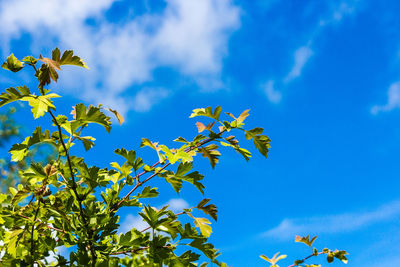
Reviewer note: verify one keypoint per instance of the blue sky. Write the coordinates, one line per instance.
(322, 78)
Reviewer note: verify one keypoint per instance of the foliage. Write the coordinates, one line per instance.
(65, 202)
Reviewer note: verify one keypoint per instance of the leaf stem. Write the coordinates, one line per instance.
(32, 231)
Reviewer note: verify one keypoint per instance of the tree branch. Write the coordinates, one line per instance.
(138, 184)
(135, 250)
(82, 214)
(33, 229)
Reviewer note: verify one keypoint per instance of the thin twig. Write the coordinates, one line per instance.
(48, 226)
(135, 250)
(306, 258)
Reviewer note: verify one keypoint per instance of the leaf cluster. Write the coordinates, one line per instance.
(66, 202)
(331, 254)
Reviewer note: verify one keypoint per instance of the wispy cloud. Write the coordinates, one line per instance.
(273, 95)
(301, 56)
(146, 98)
(339, 223)
(135, 221)
(177, 204)
(189, 36)
(393, 100)
(304, 53)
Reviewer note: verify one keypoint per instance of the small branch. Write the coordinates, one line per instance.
(306, 258)
(135, 250)
(33, 229)
(65, 180)
(82, 214)
(48, 226)
(79, 132)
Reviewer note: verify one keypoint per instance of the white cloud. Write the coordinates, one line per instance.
(188, 35)
(135, 221)
(177, 204)
(393, 99)
(148, 97)
(338, 11)
(301, 56)
(339, 223)
(273, 95)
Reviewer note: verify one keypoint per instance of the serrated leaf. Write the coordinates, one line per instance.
(261, 142)
(13, 94)
(20, 151)
(92, 115)
(68, 58)
(207, 112)
(306, 240)
(148, 192)
(211, 153)
(175, 182)
(274, 259)
(204, 226)
(210, 209)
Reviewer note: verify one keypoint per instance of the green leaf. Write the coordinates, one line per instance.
(148, 192)
(41, 104)
(210, 209)
(20, 151)
(91, 115)
(211, 153)
(129, 155)
(175, 182)
(88, 141)
(203, 224)
(207, 112)
(261, 142)
(30, 60)
(207, 248)
(68, 58)
(306, 240)
(244, 152)
(13, 94)
(12, 64)
(274, 259)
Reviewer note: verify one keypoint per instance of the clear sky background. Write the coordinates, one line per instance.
(322, 78)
